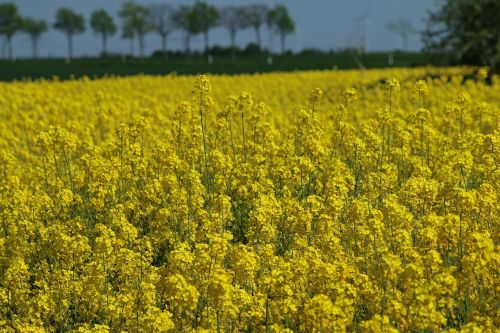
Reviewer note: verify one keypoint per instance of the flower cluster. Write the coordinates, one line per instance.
(303, 202)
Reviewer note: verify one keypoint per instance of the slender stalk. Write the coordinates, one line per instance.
(268, 327)
(244, 138)
(205, 148)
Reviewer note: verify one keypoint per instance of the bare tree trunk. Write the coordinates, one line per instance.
(271, 43)
(4, 47)
(132, 51)
(257, 34)
(233, 45)
(141, 45)
(206, 41)
(70, 46)
(34, 47)
(164, 47)
(9, 43)
(357, 56)
(104, 44)
(283, 46)
(188, 43)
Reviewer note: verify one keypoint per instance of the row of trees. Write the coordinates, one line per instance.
(138, 20)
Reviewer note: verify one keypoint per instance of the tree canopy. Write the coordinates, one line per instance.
(10, 21)
(233, 19)
(403, 28)
(185, 18)
(102, 23)
(469, 28)
(280, 21)
(34, 28)
(162, 21)
(161, 18)
(136, 20)
(69, 22)
(255, 16)
(207, 17)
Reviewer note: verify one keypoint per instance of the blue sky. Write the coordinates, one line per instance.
(323, 24)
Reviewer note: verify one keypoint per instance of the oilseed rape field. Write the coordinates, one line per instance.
(322, 201)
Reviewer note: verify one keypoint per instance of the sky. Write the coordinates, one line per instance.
(320, 24)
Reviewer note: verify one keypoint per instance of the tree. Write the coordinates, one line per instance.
(185, 19)
(162, 21)
(102, 23)
(280, 21)
(34, 28)
(128, 33)
(135, 19)
(403, 28)
(468, 28)
(205, 17)
(357, 40)
(232, 18)
(10, 23)
(70, 23)
(255, 16)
